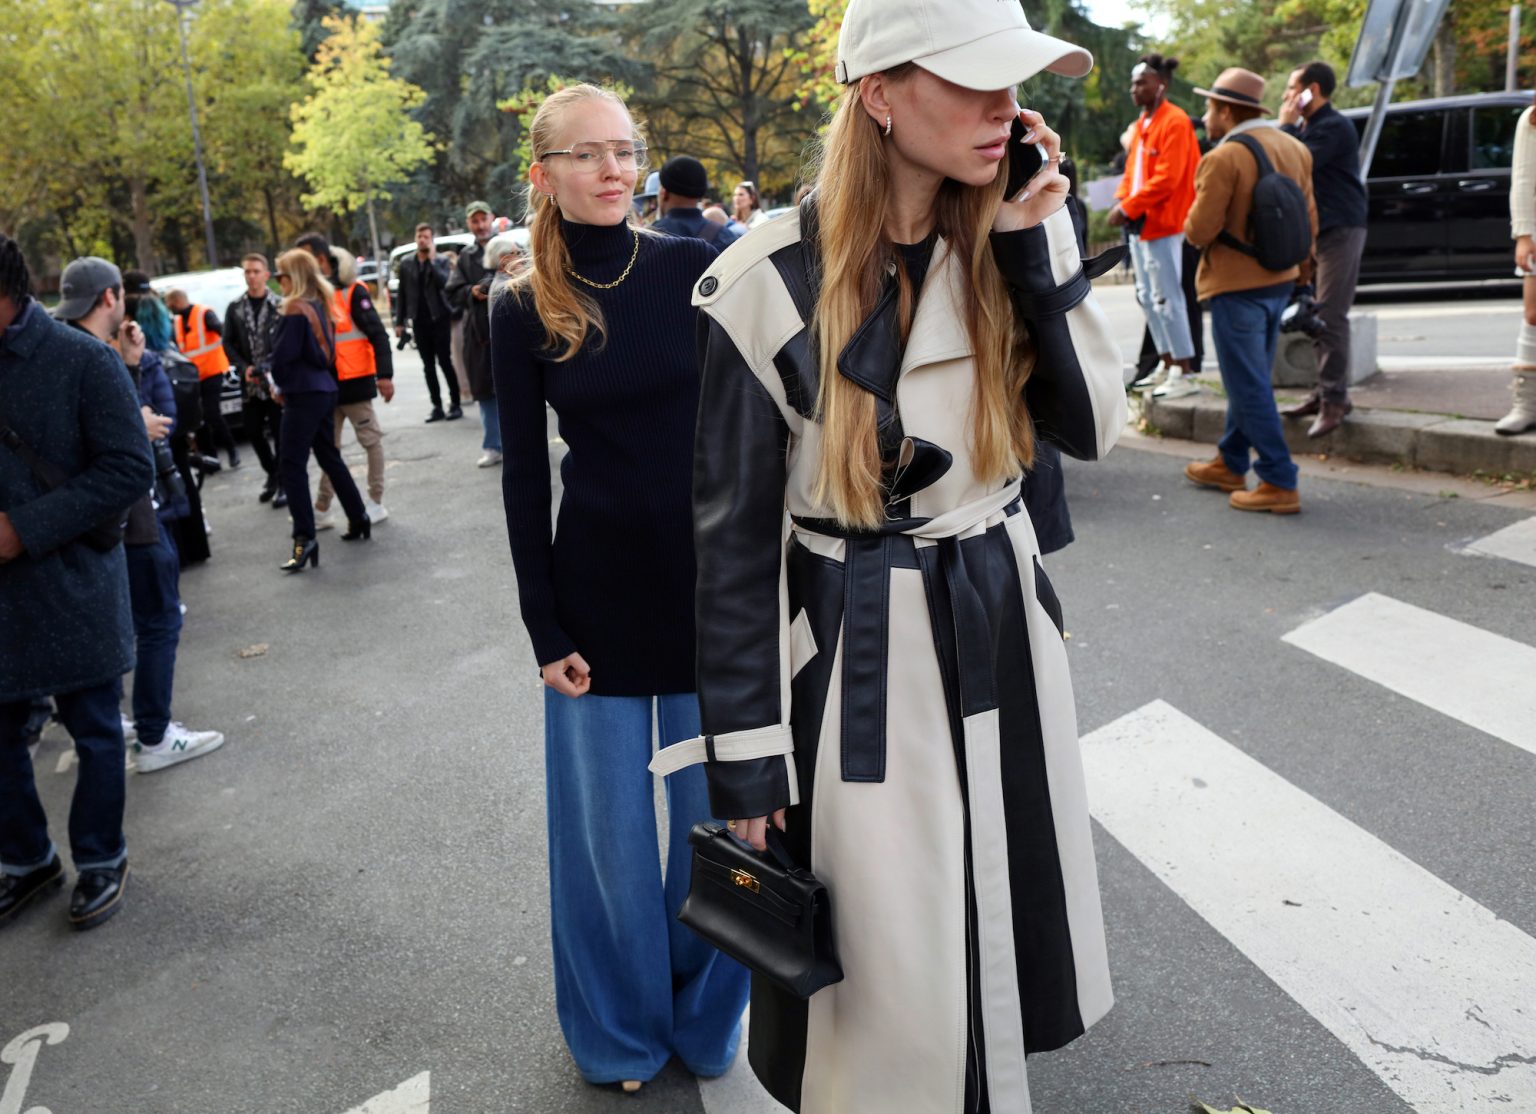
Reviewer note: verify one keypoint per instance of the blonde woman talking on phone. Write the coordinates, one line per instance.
(881, 667)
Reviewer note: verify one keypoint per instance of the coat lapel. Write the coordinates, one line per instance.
(938, 326)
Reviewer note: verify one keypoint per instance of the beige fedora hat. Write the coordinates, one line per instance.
(1237, 86)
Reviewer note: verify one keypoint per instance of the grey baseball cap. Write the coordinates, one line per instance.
(83, 282)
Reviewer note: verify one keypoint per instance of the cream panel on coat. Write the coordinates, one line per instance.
(892, 1035)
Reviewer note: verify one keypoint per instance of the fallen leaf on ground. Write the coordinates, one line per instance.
(255, 651)
(1241, 1108)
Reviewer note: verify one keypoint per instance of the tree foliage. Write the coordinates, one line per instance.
(723, 85)
(99, 145)
(471, 56)
(353, 137)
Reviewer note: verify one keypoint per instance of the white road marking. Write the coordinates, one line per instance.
(21, 1053)
(1480, 678)
(1428, 988)
(738, 1091)
(414, 1096)
(1513, 543)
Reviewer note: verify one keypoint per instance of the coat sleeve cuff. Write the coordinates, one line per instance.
(751, 773)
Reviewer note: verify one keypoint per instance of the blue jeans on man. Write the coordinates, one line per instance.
(1246, 327)
(154, 576)
(1159, 270)
(96, 814)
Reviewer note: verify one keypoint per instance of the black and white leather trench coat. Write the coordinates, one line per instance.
(904, 692)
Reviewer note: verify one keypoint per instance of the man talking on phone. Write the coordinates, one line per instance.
(1307, 114)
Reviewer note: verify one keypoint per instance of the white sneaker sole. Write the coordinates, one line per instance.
(1183, 391)
(148, 763)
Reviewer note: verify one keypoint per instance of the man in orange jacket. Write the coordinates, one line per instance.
(1153, 200)
(200, 338)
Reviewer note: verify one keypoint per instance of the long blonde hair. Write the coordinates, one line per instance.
(569, 315)
(853, 191)
(305, 282)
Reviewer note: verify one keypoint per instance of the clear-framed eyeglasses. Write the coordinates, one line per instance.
(588, 157)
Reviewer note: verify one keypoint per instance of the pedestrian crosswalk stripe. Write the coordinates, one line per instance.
(1431, 990)
(414, 1096)
(1480, 678)
(1513, 543)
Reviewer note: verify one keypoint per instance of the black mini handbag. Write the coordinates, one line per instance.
(761, 910)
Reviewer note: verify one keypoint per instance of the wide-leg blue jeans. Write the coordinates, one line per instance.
(633, 987)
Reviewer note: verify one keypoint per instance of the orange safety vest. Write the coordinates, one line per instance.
(205, 353)
(354, 351)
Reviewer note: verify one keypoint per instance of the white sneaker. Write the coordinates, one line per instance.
(1176, 386)
(1158, 377)
(489, 459)
(324, 520)
(179, 745)
(130, 732)
(376, 511)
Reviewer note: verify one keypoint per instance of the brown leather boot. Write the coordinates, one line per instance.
(1330, 418)
(1305, 408)
(1267, 497)
(1214, 473)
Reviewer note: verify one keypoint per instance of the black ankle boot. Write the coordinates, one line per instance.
(304, 549)
(358, 529)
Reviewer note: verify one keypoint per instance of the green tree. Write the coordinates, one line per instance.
(353, 136)
(99, 146)
(723, 81)
(309, 18)
(471, 56)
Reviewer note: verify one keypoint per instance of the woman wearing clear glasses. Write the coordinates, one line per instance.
(601, 330)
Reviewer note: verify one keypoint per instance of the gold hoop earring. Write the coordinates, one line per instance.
(887, 125)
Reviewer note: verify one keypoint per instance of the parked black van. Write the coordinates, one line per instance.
(1439, 189)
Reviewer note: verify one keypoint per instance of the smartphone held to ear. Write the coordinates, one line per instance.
(1305, 98)
(1024, 159)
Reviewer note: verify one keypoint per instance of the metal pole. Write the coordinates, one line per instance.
(1512, 56)
(1373, 126)
(197, 138)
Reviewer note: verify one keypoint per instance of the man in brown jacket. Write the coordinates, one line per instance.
(1246, 299)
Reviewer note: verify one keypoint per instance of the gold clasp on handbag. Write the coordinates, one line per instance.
(745, 880)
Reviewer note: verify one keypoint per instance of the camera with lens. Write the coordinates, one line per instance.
(1301, 315)
(170, 488)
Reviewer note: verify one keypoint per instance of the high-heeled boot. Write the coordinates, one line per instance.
(304, 550)
(358, 529)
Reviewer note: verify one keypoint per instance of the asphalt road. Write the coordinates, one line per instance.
(350, 895)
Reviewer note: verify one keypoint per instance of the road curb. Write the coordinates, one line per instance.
(1432, 442)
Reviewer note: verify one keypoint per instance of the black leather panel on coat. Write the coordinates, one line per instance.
(739, 475)
(1056, 393)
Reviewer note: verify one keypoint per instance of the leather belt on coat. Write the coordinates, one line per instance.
(867, 561)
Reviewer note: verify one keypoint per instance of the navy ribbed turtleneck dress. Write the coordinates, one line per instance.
(615, 582)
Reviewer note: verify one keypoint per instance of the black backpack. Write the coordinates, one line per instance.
(1279, 225)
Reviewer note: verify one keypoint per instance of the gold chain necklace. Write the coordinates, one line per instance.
(610, 285)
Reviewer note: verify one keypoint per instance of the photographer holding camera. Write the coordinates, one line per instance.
(154, 569)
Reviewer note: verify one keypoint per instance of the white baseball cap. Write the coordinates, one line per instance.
(979, 44)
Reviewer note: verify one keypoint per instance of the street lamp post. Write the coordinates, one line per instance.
(181, 7)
